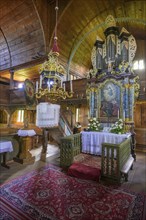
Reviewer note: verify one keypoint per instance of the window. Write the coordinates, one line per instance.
(77, 114)
(138, 65)
(20, 116)
(20, 85)
(141, 64)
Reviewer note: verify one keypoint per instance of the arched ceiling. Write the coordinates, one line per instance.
(27, 30)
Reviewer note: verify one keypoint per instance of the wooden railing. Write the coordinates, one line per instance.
(64, 126)
(70, 147)
(113, 159)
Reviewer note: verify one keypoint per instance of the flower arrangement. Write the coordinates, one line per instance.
(118, 127)
(94, 125)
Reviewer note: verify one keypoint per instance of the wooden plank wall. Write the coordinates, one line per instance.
(141, 54)
(4, 94)
(140, 124)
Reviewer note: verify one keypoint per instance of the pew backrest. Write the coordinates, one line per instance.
(113, 158)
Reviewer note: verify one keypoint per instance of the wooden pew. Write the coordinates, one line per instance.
(116, 160)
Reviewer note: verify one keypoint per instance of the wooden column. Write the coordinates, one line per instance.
(11, 79)
(45, 144)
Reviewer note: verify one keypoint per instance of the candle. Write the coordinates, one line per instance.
(71, 85)
(37, 85)
(49, 85)
(118, 113)
(124, 116)
(40, 81)
(64, 86)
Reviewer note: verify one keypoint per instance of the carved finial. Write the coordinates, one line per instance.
(98, 38)
(123, 30)
(110, 21)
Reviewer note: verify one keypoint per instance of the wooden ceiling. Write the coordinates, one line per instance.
(27, 31)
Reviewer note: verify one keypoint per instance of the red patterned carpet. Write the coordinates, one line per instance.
(48, 193)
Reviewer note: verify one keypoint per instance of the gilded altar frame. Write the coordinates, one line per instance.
(106, 100)
(110, 96)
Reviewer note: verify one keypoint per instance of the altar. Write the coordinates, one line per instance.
(92, 141)
(112, 88)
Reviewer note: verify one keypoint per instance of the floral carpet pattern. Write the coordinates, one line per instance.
(48, 193)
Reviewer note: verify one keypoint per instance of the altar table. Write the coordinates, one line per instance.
(5, 146)
(92, 141)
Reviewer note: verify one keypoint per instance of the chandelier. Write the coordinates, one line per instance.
(52, 74)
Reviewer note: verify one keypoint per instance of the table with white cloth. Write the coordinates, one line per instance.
(5, 146)
(92, 141)
(24, 133)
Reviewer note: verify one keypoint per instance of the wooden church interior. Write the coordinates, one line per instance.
(100, 44)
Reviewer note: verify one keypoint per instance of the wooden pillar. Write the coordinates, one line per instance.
(11, 79)
(8, 120)
(45, 144)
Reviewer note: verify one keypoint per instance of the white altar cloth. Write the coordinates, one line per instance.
(6, 146)
(25, 133)
(92, 141)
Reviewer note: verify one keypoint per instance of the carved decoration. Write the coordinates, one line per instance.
(132, 48)
(93, 57)
(115, 84)
(117, 48)
(110, 21)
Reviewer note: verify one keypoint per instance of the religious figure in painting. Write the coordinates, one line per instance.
(109, 101)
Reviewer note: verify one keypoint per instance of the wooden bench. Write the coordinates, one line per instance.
(114, 167)
(127, 166)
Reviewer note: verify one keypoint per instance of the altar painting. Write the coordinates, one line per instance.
(110, 101)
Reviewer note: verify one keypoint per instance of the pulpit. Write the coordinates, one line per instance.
(47, 117)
